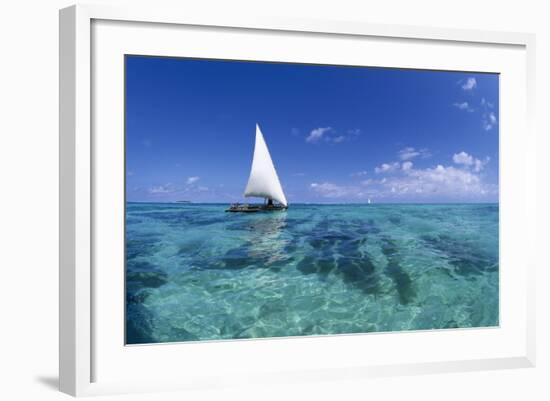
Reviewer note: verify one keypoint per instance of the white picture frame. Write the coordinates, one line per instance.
(78, 220)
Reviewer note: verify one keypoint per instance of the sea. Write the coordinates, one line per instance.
(195, 272)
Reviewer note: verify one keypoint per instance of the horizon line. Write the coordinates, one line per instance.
(320, 203)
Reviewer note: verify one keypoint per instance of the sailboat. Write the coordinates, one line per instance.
(263, 182)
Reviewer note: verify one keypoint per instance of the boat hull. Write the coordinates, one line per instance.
(255, 208)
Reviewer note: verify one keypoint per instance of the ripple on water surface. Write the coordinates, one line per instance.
(194, 272)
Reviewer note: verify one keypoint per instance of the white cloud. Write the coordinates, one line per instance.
(329, 190)
(440, 181)
(387, 167)
(328, 134)
(464, 106)
(469, 84)
(478, 165)
(488, 117)
(367, 182)
(486, 103)
(489, 120)
(463, 158)
(403, 180)
(409, 153)
(192, 180)
(162, 189)
(317, 134)
(467, 160)
(359, 173)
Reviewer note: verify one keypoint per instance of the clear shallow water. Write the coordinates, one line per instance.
(195, 272)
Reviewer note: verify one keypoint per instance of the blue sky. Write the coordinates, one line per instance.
(336, 134)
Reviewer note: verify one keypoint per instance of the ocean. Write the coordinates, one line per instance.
(194, 272)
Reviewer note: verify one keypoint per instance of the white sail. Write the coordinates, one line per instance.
(263, 181)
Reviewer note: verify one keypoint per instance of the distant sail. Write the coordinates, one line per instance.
(263, 181)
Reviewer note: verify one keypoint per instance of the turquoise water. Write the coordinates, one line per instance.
(196, 273)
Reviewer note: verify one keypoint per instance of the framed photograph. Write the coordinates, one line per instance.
(248, 199)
